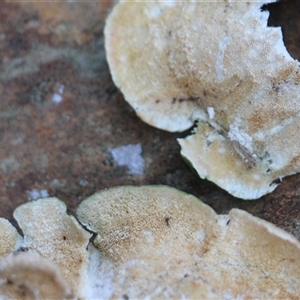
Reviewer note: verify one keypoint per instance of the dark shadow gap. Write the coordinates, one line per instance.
(184, 134)
(285, 14)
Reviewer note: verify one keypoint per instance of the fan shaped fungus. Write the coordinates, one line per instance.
(149, 242)
(160, 243)
(217, 63)
(50, 232)
(29, 276)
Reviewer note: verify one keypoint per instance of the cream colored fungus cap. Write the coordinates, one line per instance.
(217, 63)
(56, 236)
(10, 240)
(156, 242)
(29, 276)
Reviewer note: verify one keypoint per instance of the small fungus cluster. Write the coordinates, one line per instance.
(216, 63)
(176, 63)
(148, 242)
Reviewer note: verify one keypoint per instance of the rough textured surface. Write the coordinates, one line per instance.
(159, 242)
(65, 148)
(50, 232)
(219, 64)
(10, 240)
(30, 276)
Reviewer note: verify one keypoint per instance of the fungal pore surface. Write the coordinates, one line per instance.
(149, 242)
(217, 63)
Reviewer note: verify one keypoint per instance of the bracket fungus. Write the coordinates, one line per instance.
(157, 242)
(10, 240)
(50, 232)
(30, 276)
(217, 63)
(151, 242)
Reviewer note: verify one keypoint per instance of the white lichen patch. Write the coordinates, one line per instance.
(131, 157)
(211, 112)
(83, 182)
(57, 97)
(57, 183)
(237, 134)
(36, 194)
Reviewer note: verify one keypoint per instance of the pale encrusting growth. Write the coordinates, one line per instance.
(58, 237)
(219, 63)
(150, 242)
(30, 276)
(157, 243)
(10, 240)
